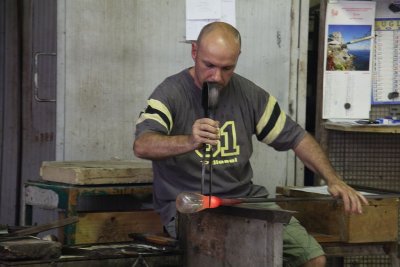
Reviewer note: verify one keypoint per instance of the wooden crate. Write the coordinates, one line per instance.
(97, 172)
(378, 223)
(105, 227)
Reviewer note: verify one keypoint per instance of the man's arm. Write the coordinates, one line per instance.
(312, 155)
(155, 146)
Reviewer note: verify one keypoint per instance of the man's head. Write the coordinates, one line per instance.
(215, 53)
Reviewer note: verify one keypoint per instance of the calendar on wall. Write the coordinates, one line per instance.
(386, 67)
(349, 37)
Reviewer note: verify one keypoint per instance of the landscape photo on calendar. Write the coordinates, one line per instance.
(348, 47)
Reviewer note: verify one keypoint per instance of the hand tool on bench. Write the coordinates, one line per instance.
(154, 239)
(39, 228)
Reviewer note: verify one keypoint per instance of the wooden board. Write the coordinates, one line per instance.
(103, 227)
(97, 172)
(378, 223)
(366, 128)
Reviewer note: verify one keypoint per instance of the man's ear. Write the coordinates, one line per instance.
(194, 50)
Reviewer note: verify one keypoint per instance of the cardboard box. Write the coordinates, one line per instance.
(328, 221)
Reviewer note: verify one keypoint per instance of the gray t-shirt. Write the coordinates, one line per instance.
(244, 109)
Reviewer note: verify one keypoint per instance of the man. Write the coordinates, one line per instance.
(172, 132)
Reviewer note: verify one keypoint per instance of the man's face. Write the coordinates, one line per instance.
(215, 61)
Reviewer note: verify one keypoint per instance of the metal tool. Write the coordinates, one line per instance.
(38, 228)
(189, 202)
(210, 97)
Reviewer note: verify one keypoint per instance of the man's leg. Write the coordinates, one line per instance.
(171, 228)
(316, 262)
(299, 248)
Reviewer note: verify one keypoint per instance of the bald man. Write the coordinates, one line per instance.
(172, 131)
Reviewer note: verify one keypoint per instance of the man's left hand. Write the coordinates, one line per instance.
(352, 199)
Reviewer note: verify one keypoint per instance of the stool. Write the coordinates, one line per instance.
(68, 198)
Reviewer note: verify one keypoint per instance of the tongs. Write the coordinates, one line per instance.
(210, 95)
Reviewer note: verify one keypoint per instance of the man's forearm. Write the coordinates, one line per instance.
(312, 155)
(155, 146)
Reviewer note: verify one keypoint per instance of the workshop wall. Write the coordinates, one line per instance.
(112, 54)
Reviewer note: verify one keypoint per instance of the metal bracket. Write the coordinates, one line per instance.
(36, 77)
(140, 262)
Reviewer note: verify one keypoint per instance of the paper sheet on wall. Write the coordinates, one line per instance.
(386, 71)
(348, 60)
(201, 12)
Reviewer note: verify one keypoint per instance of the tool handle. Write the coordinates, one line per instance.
(154, 239)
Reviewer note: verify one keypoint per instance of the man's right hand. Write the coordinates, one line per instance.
(205, 131)
(154, 146)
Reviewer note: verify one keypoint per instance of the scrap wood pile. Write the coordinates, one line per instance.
(22, 244)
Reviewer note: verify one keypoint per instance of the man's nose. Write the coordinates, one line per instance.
(217, 75)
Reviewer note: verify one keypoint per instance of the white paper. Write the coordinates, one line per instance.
(228, 13)
(201, 12)
(348, 60)
(193, 27)
(323, 190)
(203, 9)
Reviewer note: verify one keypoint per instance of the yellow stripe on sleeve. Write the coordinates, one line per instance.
(266, 115)
(156, 104)
(280, 123)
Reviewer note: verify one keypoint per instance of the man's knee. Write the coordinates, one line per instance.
(319, 261)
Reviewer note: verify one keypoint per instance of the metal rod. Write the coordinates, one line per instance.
(210, 176)
(226, 201)
(203, 169)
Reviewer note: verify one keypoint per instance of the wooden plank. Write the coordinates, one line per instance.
(97, 172)
(321, 238)
(370, 128)
(346, 250)
(103, 227)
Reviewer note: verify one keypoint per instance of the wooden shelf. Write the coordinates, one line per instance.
(367, 128)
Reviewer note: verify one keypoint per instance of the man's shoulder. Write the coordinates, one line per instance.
(184, 74)
(245, 82)
(177, 80)
(175, 86)
(246, 86)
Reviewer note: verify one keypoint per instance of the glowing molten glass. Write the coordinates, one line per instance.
(187, 202)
